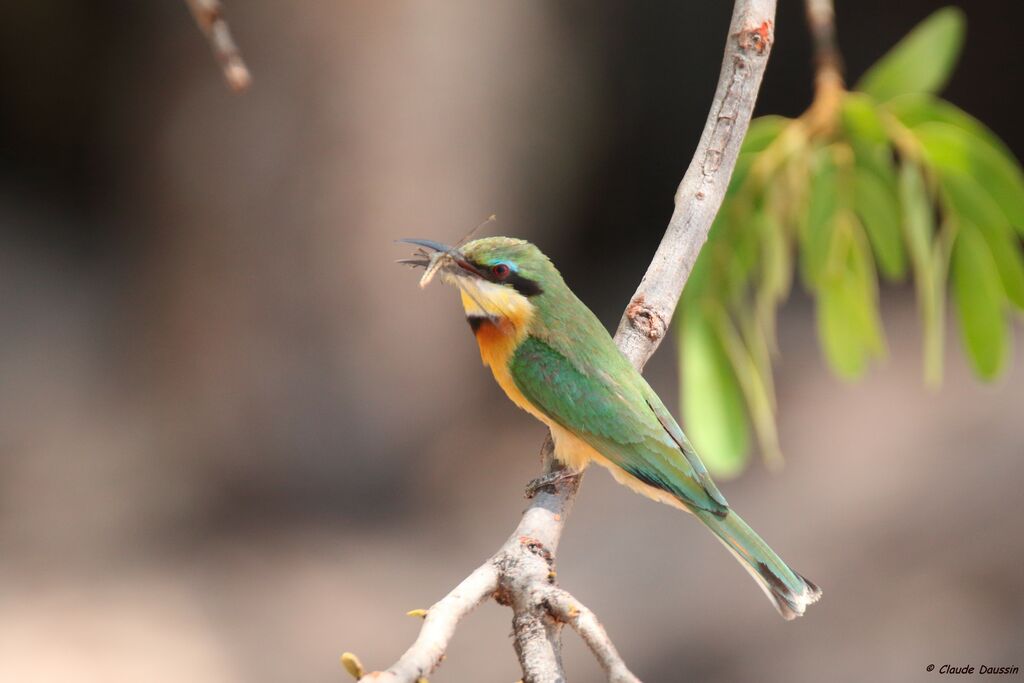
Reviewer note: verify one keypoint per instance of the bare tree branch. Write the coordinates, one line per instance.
(524, 567)
(439, 625)
(702, 189)
(210, 16)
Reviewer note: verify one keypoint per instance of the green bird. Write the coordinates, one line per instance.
(556, 361)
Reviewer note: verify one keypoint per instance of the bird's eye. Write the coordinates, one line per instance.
(500, 270)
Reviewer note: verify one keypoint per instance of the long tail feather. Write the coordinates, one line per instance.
(788, 591)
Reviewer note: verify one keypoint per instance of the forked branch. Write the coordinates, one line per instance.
(521, 573)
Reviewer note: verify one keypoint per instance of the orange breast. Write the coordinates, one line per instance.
(497, 340)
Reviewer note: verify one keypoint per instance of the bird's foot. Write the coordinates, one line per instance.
(552, 479)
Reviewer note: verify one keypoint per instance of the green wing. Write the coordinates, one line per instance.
(675, 432)
(623, 419)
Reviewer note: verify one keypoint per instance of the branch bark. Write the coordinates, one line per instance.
(210, 16)
(521, 573)
(428, 650)
(571, 611)
(702, 189)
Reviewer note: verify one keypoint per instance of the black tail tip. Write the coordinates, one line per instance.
(789, 603)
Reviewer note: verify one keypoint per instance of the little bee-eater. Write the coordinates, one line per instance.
(556, 361)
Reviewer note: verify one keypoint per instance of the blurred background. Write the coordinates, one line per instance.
(236, 440)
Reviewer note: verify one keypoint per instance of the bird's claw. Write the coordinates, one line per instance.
(552, 479)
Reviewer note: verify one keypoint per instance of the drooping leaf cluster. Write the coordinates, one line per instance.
(897, 184)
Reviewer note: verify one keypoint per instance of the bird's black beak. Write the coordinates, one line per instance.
(423, 259)
(429, 244)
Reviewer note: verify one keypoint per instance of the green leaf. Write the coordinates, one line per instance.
(918, 219)
(922, 61)
(862, 277)
(951, 149)
(878, 159)
(820, 221)
(699, 282)
(840, 338)
(762, 132)
(713, 407)
(776, 276)
(754, 338)
(879, 211)
(966, 198)
(861, 120)
(916, 108)
(970, 204)
(757, 387)
(1009, 262)
(848, 321)
(743, 252)
(979, 296)
(919, 230)
(776, 262)
(740, 173)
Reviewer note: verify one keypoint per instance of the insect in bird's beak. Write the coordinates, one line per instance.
(443, 258)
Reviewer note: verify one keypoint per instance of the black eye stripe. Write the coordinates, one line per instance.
(523, 285)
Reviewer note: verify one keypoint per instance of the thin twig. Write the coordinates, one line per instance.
(210, 16)
(525, 564)
(829, 85)
(571, 611)
(428, 650)
(821, 19)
